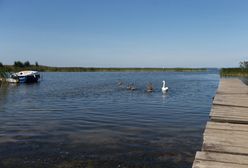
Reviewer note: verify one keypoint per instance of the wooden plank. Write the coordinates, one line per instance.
(235, 138)
(229, 114)
(226, 138)
(232, 86)
(225, 141)
(222, 157)
(230, 119)
(231, 100)
(214, 146)
(211, 164)
(225, 145)
(226, 126)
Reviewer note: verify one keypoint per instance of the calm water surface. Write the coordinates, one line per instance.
(87, 120)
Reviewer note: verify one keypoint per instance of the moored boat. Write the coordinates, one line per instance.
(24, 77)
(12, 80)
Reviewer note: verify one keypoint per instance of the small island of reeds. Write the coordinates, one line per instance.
(234, 72)
(241, 71)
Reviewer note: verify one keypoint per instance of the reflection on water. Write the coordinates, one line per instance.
(89, 120)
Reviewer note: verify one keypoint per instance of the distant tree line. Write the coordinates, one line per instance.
(20, 64)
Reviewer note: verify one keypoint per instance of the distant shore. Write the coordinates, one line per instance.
(241, 72)
(42, 68)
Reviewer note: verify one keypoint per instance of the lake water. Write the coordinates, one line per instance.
(86, 120)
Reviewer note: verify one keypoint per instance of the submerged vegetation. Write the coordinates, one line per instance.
(18, 66)
(241, 71)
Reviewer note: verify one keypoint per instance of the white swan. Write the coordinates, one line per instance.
(164, 88)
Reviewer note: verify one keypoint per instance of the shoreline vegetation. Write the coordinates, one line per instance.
(18, 66)
(232, 72)
(242, 71)
(97, 69)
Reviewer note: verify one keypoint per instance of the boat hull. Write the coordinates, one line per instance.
(11, 80)
(29, 78)
(24, 77)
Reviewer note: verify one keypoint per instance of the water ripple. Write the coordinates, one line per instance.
(77, 117)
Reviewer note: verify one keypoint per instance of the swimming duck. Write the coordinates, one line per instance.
(149, 87)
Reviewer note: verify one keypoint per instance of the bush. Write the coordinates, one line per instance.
(27, 64)
(18, 64)
(1, 65)
(243, 64)
(3, 73)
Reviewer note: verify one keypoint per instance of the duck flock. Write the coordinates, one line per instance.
(149, 86)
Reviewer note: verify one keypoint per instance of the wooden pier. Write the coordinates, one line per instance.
(225, 139)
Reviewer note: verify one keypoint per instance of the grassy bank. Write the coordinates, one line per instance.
(93, 69)
(234, 72)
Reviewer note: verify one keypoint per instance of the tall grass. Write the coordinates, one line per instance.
(234, 72)
(3, 74)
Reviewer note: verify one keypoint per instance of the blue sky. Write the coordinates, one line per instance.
(125, 33)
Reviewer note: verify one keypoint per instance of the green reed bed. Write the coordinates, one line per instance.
(3, 75)
(234, 72)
